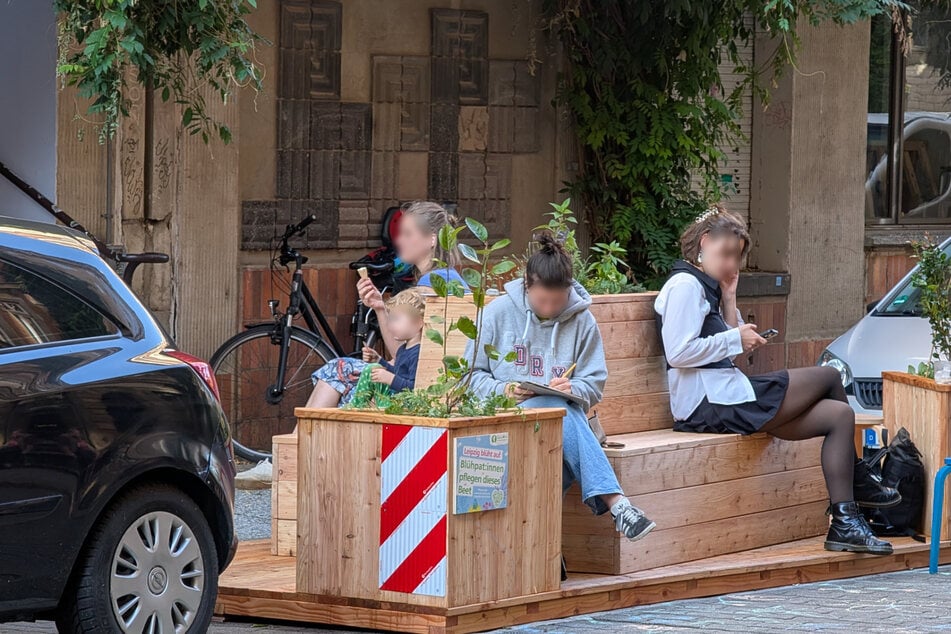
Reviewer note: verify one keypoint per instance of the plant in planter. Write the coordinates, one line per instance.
(495, 455)
(933, 281)
(449, 394)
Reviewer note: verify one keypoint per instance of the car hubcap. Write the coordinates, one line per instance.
(157, 579)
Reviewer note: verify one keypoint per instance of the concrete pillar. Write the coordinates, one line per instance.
(808, 172)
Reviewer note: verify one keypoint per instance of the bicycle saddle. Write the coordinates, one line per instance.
(370, 266)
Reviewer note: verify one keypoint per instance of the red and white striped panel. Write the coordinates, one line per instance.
(413, 497)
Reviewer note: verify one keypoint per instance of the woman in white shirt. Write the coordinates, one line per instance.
(702, 332)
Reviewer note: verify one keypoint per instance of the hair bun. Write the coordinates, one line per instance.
(548, 244)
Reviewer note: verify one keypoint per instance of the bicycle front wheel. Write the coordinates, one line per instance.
(246, 368)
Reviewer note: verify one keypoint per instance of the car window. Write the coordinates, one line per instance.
(35, 311)
(905, 300)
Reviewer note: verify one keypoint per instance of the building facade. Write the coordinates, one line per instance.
(368, 104)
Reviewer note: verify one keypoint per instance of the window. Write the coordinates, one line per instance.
(915, 90)
(35, 311)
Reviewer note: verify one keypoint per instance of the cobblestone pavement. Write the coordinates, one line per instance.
(899, 603)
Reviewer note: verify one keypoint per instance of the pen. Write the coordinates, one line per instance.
(569, 371)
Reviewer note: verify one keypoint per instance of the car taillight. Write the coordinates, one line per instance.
(200, 367)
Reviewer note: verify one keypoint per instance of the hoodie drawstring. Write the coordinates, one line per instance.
(554, 336)
(528, 322)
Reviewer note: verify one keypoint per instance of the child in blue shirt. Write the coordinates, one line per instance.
(404, 317)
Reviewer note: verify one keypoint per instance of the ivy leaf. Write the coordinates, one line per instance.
(492, 352)
(510, 357)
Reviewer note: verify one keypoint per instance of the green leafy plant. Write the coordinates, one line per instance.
(933, 281)
(605, 272)
(175, 48)
(651, 113)
(450, 394)
(923, 369)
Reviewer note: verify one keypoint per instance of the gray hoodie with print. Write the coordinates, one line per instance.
(544, 348)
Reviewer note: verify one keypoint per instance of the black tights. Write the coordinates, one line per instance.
(816, 405)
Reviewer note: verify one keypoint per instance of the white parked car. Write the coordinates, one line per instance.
(892, 336)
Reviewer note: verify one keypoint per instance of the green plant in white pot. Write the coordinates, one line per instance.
(933, 281)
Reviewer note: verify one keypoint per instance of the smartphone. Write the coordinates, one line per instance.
(769, 334)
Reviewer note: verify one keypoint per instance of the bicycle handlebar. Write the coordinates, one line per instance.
(142, 258)
(293, 230)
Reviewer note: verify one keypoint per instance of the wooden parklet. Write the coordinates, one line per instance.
(347, 538)
(731, 511)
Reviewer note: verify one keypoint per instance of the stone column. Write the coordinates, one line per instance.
(807, 213)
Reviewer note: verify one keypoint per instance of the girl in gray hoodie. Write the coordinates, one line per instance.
(544, 319)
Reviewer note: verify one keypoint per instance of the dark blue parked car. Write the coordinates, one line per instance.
(116, 467)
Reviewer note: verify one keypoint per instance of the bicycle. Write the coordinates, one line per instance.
(265, 372)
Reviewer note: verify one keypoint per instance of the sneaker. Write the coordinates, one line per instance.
(257, 477)
(630, 521)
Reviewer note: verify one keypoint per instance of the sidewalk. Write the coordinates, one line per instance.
(900, 602)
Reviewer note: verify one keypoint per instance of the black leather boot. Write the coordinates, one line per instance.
(849, 532)
(869, 491)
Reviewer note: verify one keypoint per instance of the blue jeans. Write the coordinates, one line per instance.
(583, 459)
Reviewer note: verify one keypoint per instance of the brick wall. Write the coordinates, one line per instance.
(333, 288)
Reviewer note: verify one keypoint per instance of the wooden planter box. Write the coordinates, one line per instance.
(376, 516)
(923, 408)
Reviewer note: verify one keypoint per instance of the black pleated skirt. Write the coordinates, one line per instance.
(741, 418)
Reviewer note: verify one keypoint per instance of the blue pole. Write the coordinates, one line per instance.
(937, 513)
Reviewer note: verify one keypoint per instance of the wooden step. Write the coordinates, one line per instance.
(710, 494)
(284, 495)
(259, 585)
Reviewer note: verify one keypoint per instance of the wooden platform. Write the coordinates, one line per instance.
(262, 585)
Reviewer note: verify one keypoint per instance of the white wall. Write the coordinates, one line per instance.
(27, 103)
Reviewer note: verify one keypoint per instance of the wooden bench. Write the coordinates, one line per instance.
(710, 494)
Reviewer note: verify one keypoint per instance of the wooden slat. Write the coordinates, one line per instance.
(708, 502)
(590, 553)
(630, 339)
(665, 440)
(629, 377)
(637, 413)
(285, 456)
(525, 416)
(628, 307)
(284, 538)
(738, 458)
(286, 500)
(915, 381)
(329, 614)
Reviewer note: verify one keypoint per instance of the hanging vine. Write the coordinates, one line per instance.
(175, 48)
(644, 91)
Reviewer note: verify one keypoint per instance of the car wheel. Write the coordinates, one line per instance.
(150, 565)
